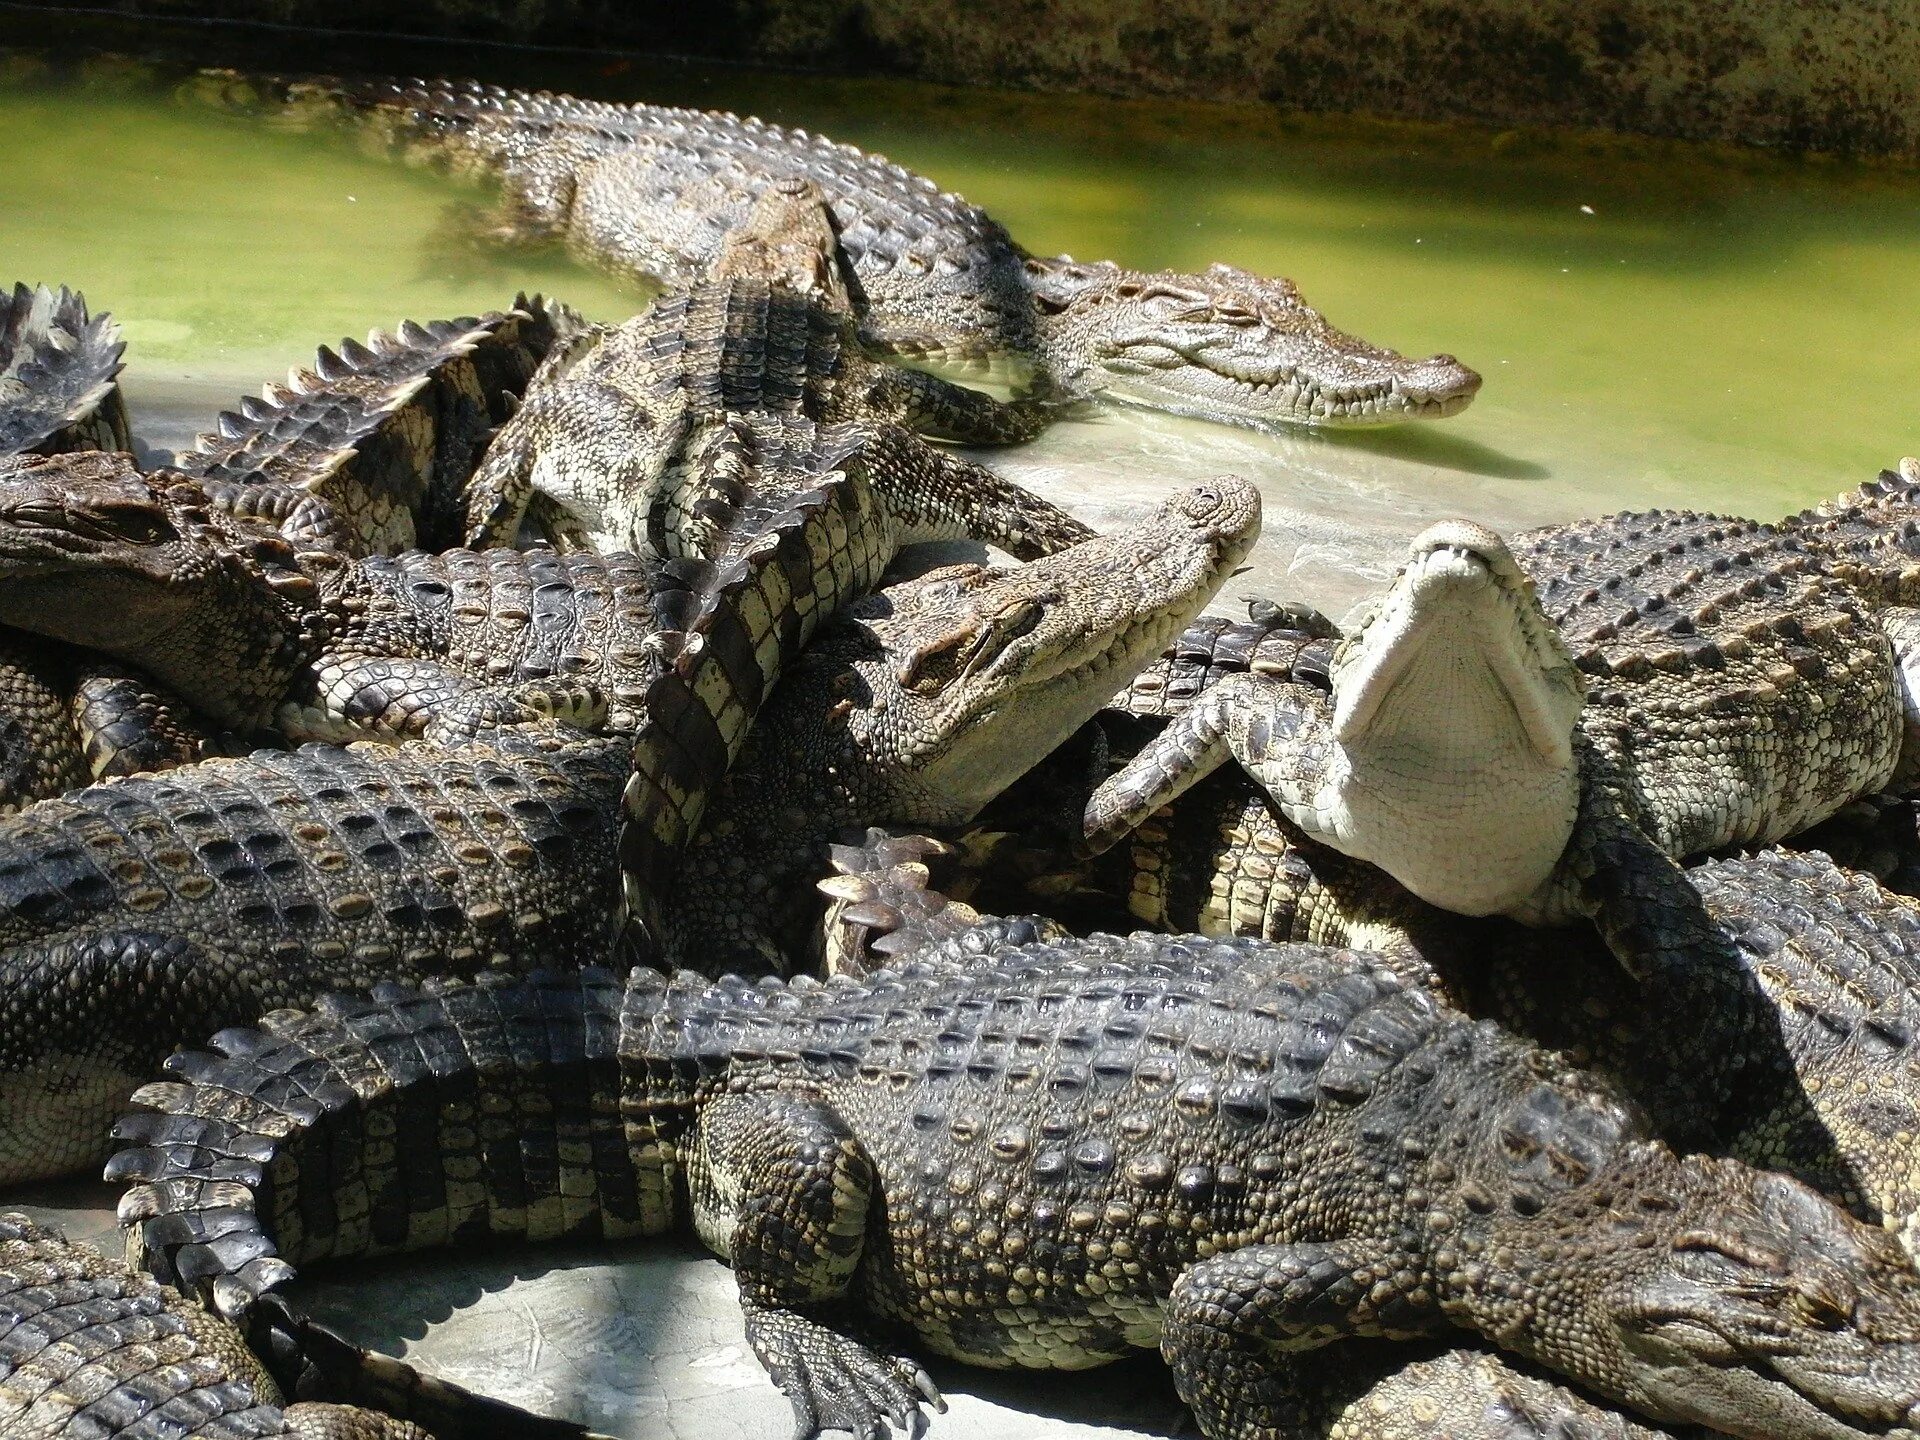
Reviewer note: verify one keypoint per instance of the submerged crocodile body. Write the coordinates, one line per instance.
(1050, 1155)
(59, 375)
(625, 440)
(651, 190)
(369, 451)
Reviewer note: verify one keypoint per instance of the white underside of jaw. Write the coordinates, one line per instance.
(1259, 405)
(1452, 771)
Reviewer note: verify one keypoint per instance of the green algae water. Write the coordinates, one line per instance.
(1656, 324)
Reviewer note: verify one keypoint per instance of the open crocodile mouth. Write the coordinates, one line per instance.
(1455, 604)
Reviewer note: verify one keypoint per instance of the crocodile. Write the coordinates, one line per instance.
(67, 719)
(616, 438)
(90, 1350)
(650, 190)
(222, 889)
(59, 375)
(923, 702)
(1617, 693)
(368, 451)
(1050, 1155)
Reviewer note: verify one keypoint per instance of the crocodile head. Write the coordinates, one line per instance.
(1768, 1311)
(787, 240)
(969, 676)
(96, 554)
(1454, 705)
(1228, 346)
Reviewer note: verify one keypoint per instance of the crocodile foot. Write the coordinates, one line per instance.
(835, 1382)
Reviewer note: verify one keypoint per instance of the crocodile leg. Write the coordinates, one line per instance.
(937, 496)
(606, 454)
(395, 698)
(945, 411)
(127, 726)
(1467, 1395)
(1280, 733)
(1230, 1319)
(780, 1185)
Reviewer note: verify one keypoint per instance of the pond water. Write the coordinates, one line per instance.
(1656, 324)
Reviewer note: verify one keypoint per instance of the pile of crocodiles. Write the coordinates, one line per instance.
(512, 749)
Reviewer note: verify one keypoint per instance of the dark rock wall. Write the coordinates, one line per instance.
(1821, 74)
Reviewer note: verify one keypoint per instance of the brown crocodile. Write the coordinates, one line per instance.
(651, 190)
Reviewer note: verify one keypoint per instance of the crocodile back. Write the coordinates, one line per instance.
(1739, 678)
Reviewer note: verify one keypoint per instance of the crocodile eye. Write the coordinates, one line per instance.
(1819, 1308)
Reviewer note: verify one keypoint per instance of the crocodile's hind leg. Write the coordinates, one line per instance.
(389, 697)
(780, 1186)
(1280, 732)
(946, 411)
(1231, 1319)
(934, 495)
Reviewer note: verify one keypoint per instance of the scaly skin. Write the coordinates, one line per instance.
(369, 452)
(59, 375)
(618, 436)
(1680, 683)
(144, 911)
(1048, 1156)
(927, 700)
(650, 190)
(92, 1351)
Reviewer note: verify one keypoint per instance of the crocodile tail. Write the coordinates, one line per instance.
(64, 365)
(799, 566)
(314, 1362)
(885, 910)
(404, 1120)
(461, 126)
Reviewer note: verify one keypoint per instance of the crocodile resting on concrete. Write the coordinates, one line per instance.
(1618, 694)
(620, 436)
(92, 1351)
(1049, 1155)
(151, 912)
(59, 375)
(651, 190)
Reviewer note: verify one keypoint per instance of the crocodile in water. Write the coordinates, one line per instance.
(651, 190)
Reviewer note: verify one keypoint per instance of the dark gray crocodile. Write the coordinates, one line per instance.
(369, 451)
(651, 190)
(924, 702)
(59, 375)
(197, 899)
(92, 1351)
(1679, 683)
(1051, 1155)
(620, 440)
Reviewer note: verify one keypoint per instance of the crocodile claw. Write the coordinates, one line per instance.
(835, 1382)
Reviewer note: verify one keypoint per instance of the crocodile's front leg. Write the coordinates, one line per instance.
(781, 1187)
(387, 697)
(1280, 732)
(1231, 1319)
(127, 727)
